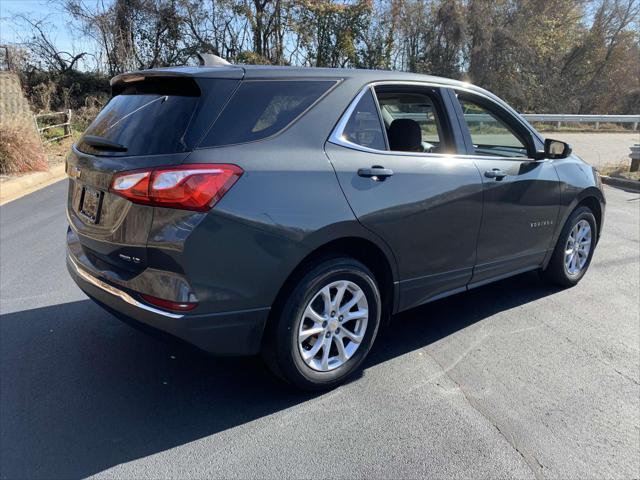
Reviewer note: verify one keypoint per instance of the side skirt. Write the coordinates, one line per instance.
(407, 305)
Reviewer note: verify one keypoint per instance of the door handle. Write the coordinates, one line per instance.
(495, 173)
(376, 173)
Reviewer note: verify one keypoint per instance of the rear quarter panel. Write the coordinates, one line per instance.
(286, 204)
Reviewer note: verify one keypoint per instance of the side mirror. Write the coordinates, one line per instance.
(556, 149)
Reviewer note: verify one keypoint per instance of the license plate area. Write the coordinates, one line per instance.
(90, 204)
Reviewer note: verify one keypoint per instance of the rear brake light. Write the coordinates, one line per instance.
(190, 187)
(168, 304)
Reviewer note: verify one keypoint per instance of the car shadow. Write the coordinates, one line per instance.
(429, 323)
(82, 392)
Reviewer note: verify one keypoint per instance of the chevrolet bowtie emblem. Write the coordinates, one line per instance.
(75, 172)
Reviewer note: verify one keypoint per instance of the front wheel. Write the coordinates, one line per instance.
(326, 325)
(573, 252)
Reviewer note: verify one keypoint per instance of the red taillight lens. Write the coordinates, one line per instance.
(134, 186)
(190, 187)
(168, 304)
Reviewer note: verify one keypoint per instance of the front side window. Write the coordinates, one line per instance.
(364, 127)
(491, 136)
(260, 109)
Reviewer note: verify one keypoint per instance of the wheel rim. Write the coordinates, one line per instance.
(576, 252)
(333, 326)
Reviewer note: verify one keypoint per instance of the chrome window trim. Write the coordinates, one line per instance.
(337, 139)
(380, 117)
(336, 136)
(124, 296)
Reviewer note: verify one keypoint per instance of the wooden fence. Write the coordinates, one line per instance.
(66, 125)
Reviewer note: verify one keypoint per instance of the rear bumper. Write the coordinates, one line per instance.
(227, 333)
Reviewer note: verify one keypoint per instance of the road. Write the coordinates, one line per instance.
(512, 380)
(599, 149)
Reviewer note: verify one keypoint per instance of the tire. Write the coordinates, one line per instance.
(283, 350)
(557, 271)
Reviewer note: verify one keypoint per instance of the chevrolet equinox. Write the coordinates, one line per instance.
(289, 211)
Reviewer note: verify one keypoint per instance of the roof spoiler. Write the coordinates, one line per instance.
(205, 59)
(211, 60)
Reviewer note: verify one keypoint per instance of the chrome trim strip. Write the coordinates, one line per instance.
(96, 282)
(337, 139)
(380, 117)
(336, 135)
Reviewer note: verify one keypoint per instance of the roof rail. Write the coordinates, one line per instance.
(211, 60)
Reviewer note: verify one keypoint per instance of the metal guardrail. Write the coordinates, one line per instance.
(597, 119)
(65, 125)
(560, 118)
(635, 158)
(557, 118)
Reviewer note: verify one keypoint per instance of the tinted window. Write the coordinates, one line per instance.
(413, 119)
(489, 133)
(364, 127)
(260, 109)
(153, 116)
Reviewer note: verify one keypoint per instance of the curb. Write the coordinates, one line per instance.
(633, 185)
(21, 186)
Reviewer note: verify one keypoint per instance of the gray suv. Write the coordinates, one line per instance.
(290, 211)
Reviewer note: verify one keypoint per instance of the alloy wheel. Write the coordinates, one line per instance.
(333, 325)
(576, 252)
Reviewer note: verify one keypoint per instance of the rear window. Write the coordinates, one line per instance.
(150, 117)
(260, 109)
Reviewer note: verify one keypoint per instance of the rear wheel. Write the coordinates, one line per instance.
(573, 252)
(326, 326)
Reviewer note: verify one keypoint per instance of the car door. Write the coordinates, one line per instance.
(521, 194)
(425, 205)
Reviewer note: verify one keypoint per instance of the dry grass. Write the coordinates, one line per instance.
(620, 170)
(57, 151)
(20, 149)
(575, 127)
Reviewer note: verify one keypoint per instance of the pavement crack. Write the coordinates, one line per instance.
(588, 352)
(529, 459)
(623, 375)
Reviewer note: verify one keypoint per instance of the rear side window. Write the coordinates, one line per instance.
(260, 109)
(364, 127)
(414, 119)
(150, 117)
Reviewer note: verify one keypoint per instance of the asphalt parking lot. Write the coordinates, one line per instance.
(512, 380)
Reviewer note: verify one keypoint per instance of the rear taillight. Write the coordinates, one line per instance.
(190, 187)
(168, 304)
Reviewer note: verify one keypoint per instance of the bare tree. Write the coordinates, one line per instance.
(541, 55)
(133, 34)
(43, 48)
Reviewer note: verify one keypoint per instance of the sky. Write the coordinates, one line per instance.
(11, 32)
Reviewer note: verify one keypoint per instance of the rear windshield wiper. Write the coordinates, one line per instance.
(163, 99)
(101, 143)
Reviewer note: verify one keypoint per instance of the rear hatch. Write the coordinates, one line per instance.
(153, 119)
